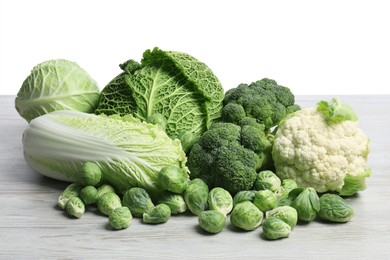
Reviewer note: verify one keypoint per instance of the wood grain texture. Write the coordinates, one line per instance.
(31, 227)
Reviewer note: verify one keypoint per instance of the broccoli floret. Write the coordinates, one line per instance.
(228, 155)
(263, 100)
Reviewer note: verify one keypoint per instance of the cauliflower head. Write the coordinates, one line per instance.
(323, 148)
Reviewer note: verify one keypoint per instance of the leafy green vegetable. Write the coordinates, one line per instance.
(334, 208)
(286, 213)
(212, 221)
(244, 195)
(306, 202)
(174, 179)
(220, 199)
(56, 85)
(174, 84)
(129, 152)
(138, 201)
(336, 111)
(246, 216)
(89, 195)
(108, 202)
(275, 228)
(75, 207)
(72, 190)
(156, 215)
(196, 196)
(91, 174)
(265, 200)
(120, 218)
(267, 180)
(174, 201)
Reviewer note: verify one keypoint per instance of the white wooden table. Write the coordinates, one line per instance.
(31, 227)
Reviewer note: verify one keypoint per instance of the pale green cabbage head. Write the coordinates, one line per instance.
(56, 85)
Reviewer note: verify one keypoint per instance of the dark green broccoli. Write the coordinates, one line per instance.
(263, 100)
(228, 155)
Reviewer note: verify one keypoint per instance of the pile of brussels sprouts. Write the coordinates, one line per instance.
(277, 206)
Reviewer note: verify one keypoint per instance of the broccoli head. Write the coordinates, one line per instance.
(228, 155)
(263, 100)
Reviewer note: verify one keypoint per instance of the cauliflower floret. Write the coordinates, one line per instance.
(317, 152)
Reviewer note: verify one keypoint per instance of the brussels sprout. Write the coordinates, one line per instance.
(91, 174)
(158, 119)
(75, 207)
(334, 208)
(69, 192)
(138, 201)
(158, 214)
(196, 196)
(108, 202)
(212, 221)
(267, 180)
(187, 139)
(221, 200)
(89, 195)
(287, 186)
(104, 188)
(244, 195)
(174, 201)
(173, 179)
(265, 200)
(286, 213)
(246, 215)
(306, 202)
(120, 218)
(275, 228)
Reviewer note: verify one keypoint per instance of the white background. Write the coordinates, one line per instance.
(313, 47)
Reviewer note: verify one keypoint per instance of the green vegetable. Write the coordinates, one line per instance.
(173, 179)
(212, 221)
(275, 228)
(70, 191)
(335, 209)
(265, 200)
(108, 202)
(267, 180)
(306, 202)
(220, 199)
(129, 153)
(104, 188)
(174, 201)
(187, 139)
(56, 85)
(75, 207)
(120, 218)
(286, 213)
(263, 100)
(174, 84)
(91, 174)
(138, 201)
(246, 216)
(222, 159)
(158, 119)
(158, 214)
(196, 196)
(89, 195)
(244, 195)
(323, 148)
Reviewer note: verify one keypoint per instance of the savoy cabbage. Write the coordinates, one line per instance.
(173, 84)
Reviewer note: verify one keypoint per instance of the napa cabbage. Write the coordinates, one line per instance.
(173, 84)
(129, 152)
